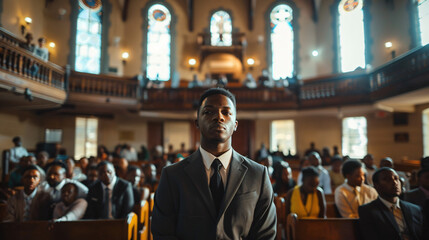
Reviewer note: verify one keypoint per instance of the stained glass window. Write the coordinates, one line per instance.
(158, 43)
(351, 35)
(88, 37)
(425, 132)
(355, 138)
(221, 29)
(282, 41)
(423, 9)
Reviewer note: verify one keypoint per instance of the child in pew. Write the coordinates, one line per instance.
(70, 208)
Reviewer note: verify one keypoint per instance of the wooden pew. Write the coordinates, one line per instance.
(322, 229)
(330, 197)
(281, 216)
(121, 229)
(332, 211)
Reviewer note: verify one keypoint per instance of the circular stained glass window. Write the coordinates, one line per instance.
(94, 5)
(350, 5)
(159, 15)
(281, 13)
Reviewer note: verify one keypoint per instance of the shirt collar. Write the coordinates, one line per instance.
(31, 196)
(350, 188)
(208, 158)
(60, 185)
(389, 205)
(111, 185)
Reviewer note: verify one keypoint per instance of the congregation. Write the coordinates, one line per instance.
(107, 186)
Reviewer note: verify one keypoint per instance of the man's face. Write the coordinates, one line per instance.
(388, 184)
(216, 118)
(314, 160)
(31, 180)
(68, 194)
(92, 175)
(134, 177)
(356, 178)
(56, 175)
(106, 173)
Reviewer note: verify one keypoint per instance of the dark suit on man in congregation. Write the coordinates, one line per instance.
(378, 222)
(184, 208)
(122, 200)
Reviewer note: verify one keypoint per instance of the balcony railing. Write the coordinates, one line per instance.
(23, 63)
(103, 85)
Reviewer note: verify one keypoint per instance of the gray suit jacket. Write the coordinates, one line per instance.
(184, 208)
(39, 209)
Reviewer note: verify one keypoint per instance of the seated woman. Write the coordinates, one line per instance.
(70, 208)
(282, 176)
(307, 200)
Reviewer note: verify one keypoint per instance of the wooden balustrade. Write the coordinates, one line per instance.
(403, 74)
(103, 85)
(23, 63)
(10, 38)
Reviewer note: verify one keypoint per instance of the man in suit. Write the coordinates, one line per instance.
(420, 195)
(387, 217)
(111, 197)
(215, 193)
(30, 203)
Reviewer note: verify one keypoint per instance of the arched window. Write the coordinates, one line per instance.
(351, 35)
(88, 37)
(355, 140)
(423, 17)
(282, 42)
(426, 132)
(158, 43)
(221, 29)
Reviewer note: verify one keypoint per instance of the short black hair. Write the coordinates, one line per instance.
(16, 139)
(215, 91)
(278, 169)
(104, 163)
(336, 158)
(30, 167)
(376, 176)
(132, 168)
(56, 163)
(424, 162)
(350, 166)
(309, 172)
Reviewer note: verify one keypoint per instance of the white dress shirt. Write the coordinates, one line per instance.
(27, 201)
(348, 199)
(17, 153)
(74, 212)
(55, 192)
(225, 159)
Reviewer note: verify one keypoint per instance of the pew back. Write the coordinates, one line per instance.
(322, 229)
(125, 229)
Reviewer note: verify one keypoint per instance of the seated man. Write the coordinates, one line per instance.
(354, 192)
(388, 217)
(91, 176)
(370, 168)
(70, 208)
(30, 203)
(111, 197)
(388, 162)
(56, 179)
(325, 180)
(16, 173)
(134, 174)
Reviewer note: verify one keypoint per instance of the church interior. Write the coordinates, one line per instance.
(345, 77)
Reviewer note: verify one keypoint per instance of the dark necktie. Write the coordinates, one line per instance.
(106, 203)
(216, 184)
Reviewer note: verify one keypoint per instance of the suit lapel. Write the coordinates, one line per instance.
(236, 175)
(196, 171)
(388, 215)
